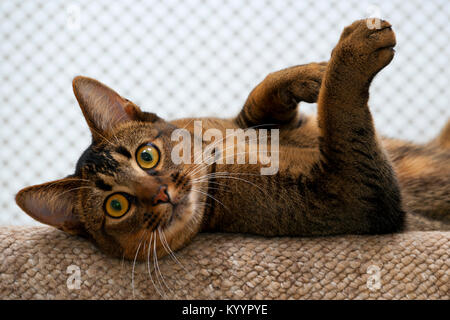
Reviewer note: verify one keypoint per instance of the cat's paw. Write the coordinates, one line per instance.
(299, 83)
(366, 46)
(306, 85)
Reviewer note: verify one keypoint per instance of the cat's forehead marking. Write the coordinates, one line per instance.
(130, 133)
(102, 185)
(123, 151)
(97, 160)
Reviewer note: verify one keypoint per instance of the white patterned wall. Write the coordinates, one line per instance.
(190, 58)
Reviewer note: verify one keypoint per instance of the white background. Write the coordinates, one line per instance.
(192, 58)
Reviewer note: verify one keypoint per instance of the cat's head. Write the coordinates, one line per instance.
(126, 194)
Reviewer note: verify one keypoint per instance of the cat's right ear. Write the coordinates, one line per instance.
(53, 203)
(102, 107)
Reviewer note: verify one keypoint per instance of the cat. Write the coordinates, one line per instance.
(335, 176)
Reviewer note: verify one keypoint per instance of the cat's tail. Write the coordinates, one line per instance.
(443, 139)
(426, 189)
(424, 175)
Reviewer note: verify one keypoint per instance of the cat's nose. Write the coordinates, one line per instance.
(161, 196)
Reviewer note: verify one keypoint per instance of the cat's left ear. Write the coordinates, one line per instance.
(102, 107)
(53, 203)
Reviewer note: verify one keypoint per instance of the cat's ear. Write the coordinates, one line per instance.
(102, 107)
(53, 203)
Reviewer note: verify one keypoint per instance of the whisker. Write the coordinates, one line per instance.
(210, 196)
(158, 268)
(134, 264)
(184, 127)
(170, 251)
(199, 167)
(226, 176)
(155, 267)
(216, 143)
(221, 140)
(148, 264)
(229, 174)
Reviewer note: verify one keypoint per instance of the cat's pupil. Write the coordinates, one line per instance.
(146, 156)
(115, 205)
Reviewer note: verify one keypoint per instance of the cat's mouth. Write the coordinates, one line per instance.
(178, 207)
(174, 209)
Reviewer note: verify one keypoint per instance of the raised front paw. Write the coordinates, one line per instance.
(365, 47)
(292, 85)
(275, 99)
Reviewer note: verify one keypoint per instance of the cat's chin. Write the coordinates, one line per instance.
(179, 215)
(184, 222)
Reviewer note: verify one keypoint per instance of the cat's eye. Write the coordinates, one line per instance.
(117, 205)
(147, 156)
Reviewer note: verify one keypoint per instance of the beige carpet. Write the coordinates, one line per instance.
(44, 263)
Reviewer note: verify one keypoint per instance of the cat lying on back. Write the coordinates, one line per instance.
(336, 176)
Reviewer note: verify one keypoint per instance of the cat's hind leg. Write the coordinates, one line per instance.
(353, 162)
(273, 102)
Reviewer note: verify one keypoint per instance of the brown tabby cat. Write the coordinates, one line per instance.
(336, 176)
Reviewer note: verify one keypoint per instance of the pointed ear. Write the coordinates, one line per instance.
(53, 203)
(102, 107)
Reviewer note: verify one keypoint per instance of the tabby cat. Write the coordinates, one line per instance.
(335, 176)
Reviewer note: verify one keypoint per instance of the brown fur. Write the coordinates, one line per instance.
(336, 176)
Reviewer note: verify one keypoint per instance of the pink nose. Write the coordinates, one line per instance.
(162, 196)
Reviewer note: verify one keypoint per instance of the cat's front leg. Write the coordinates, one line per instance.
(352, 158)
(274, 101)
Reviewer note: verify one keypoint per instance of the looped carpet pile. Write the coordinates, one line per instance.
(44, 263)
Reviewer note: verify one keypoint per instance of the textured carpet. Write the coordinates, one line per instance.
(44, 263)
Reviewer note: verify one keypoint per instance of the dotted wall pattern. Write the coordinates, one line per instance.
(192, 58)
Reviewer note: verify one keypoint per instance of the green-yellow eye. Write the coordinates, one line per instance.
(147, 156)
(117, 205)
